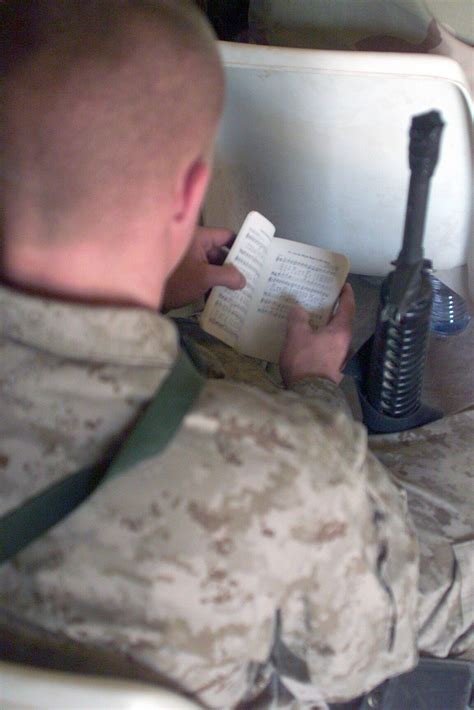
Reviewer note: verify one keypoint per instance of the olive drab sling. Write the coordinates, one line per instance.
(152, 432)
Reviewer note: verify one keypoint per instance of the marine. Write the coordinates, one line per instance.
(267, 540)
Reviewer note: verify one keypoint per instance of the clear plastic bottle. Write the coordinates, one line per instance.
(449, 314)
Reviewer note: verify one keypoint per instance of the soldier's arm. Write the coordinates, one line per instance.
(311, 361)
(202, 268)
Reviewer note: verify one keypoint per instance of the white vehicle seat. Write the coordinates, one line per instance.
(27, 688)
(318, 142)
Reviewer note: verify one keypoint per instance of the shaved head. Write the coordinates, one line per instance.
(102, 97)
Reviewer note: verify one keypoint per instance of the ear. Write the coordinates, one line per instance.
(189, 194)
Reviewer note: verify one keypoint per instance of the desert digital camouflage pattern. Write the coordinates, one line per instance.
(435, 465)
(265, 539)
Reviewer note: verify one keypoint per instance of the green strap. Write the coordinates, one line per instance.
(153, 430)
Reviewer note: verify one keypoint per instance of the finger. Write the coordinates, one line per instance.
(217, 244)
(297, 315)
(217, 255)
(216, 237)
(346, 310)
(227, 275)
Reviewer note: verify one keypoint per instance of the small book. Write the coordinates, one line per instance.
(279, 273)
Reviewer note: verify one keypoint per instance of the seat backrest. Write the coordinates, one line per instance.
(340, 24)
(317, 141)
(27, 688)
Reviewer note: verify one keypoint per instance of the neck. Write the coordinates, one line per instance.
(88, 270)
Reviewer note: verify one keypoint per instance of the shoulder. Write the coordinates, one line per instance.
(278, 423)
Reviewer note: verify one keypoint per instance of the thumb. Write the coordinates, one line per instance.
(227, 275)
(346, 309)
(298, 314)
(298, 317)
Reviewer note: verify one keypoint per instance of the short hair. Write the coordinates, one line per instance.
(96, 92)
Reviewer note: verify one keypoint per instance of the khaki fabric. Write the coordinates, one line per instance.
(265, 537)
(435, 465)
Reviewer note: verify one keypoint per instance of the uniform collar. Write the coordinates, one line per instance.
(121, 335)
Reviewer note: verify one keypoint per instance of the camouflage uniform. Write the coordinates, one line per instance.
(265, 536)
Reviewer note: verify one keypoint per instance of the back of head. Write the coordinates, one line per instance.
(100, 97)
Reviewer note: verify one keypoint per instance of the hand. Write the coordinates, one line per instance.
(320, 353)
(201, 268)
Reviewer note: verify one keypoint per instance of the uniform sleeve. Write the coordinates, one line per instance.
(322, 390)
(355, 625)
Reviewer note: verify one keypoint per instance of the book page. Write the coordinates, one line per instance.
(226, 310)
(293, 273)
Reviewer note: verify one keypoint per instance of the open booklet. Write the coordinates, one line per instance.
(279, 273)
